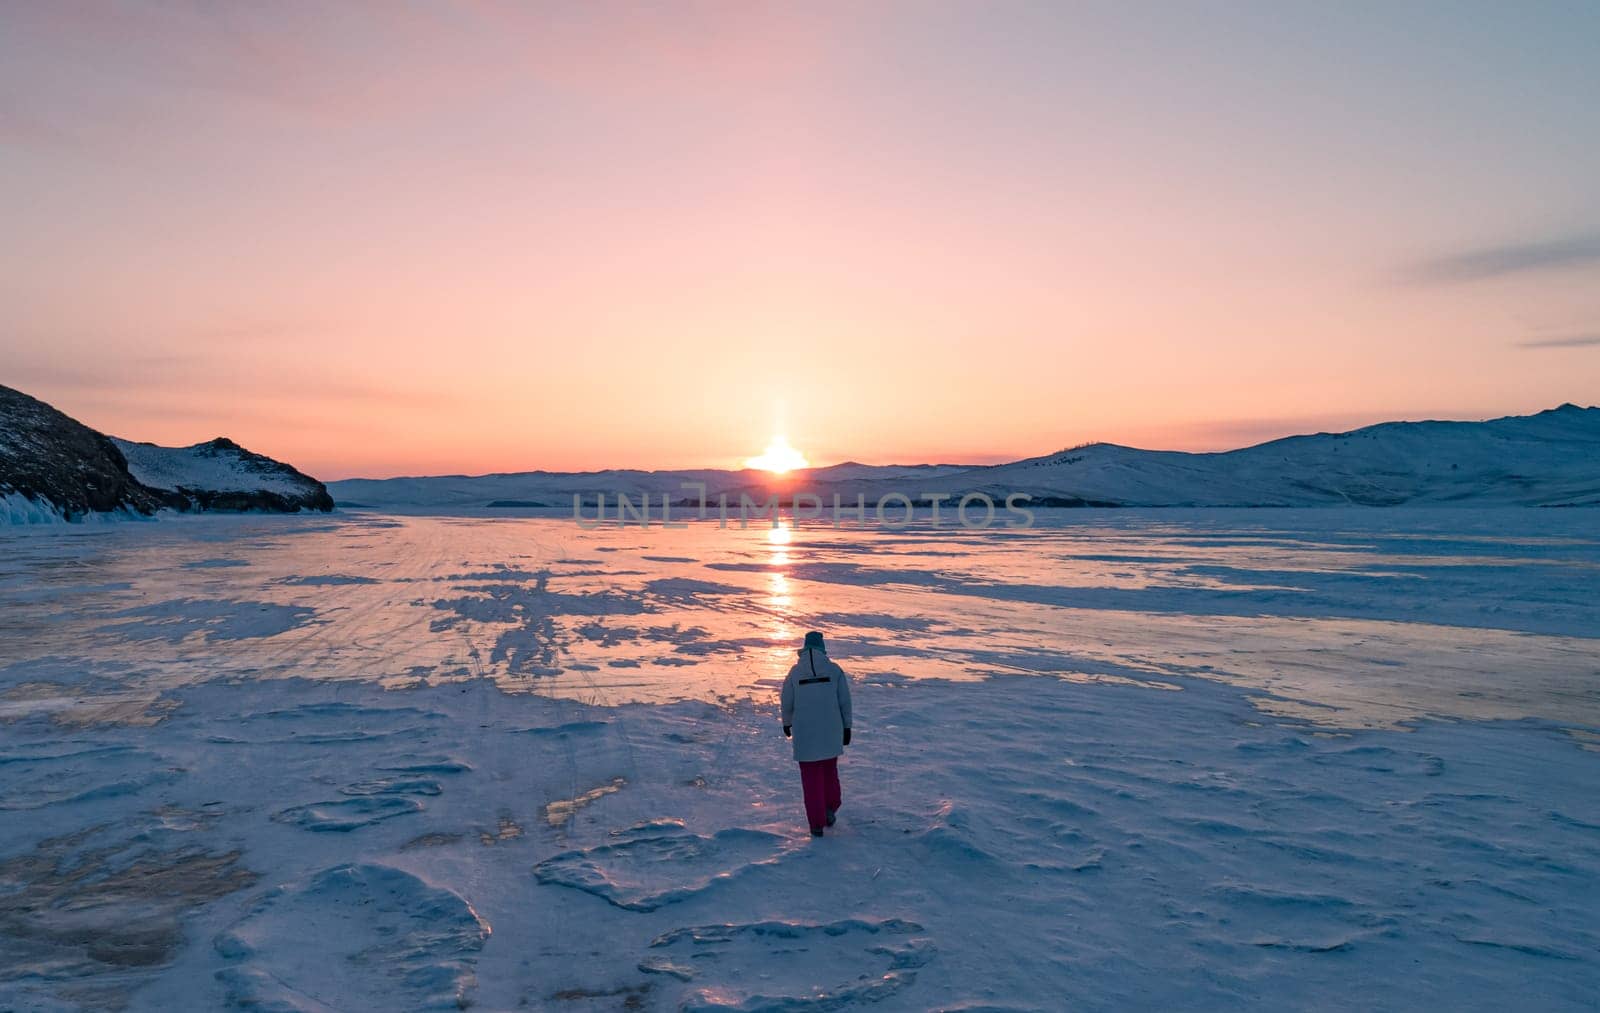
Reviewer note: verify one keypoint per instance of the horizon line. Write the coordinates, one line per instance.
(996, 459)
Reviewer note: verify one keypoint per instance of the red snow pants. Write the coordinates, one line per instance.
(819, 779)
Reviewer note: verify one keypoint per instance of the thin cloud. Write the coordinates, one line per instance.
(1576, 341)
(232, 379)
(1492, 262)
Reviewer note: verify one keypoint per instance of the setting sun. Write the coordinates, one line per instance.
(779, 458)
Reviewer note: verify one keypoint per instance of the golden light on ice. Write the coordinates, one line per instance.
(778, 458)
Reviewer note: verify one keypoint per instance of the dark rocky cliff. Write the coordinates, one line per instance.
(66, 468)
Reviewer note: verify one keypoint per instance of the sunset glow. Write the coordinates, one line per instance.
(779, 458)
(963, 233)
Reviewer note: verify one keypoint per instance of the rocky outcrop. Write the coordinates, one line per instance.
(53, 465)
(48, 456)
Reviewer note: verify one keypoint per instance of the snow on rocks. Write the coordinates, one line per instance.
(16, 508)
(54, 468)
(53, 465)
(221, 475)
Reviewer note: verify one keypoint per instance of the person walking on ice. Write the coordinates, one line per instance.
(816, 715)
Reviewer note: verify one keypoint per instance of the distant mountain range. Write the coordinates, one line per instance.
(1548, 459)
(53, 467)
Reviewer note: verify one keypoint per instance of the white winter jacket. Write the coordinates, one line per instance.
(816, 703)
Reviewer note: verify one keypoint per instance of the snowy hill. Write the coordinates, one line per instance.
(1548, 459)
(53, 467)
(221, 475)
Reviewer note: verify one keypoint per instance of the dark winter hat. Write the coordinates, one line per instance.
(814, 643)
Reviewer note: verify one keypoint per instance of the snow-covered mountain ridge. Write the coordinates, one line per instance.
(1551, 458)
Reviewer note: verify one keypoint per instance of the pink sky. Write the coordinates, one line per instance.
(420, 239)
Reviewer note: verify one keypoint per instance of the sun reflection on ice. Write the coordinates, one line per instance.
(780, 601)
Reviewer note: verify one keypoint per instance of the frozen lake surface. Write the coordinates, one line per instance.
(1190, 757)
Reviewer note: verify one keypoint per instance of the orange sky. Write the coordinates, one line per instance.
(386, 240)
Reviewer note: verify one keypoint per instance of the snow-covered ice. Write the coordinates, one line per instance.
(1135, 758)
